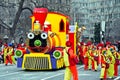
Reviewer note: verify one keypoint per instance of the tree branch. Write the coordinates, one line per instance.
(17, 17)
(4, 25)
(34, 3)
(27, 8)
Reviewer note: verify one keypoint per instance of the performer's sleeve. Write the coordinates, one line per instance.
(118, 55)
(65, 57)
(11, 51)
(71, 53)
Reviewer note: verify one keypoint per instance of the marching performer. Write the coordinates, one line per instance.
(71, 68)
(80, 52)
(100, 46)
(116, 56)
(111, 65)
(112, 60)
(90, 55)
(5, 52)
(95, 58)
(85, 54)
(10, 55)
(104, 65)
(90, 58)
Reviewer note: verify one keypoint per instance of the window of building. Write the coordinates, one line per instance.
(116, 15)
(45, 1)
(66, 1)
(60, 1)
(111, 2)
(108, 9)
(48, 1)
(117, 1)
(3, 30)
(0, 30)
(106, 16)
(98, 10)
(51, 1)
(90, 11)
(56, 1)
(119, 15)
(110, 16)
(102, 9)
(102, 3)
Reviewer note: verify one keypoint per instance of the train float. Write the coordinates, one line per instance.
(48, 36)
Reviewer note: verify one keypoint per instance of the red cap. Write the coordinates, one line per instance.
(23, 44)
(89, 43)
(5, 45)
(19, 45)
(100, 45)
(117, 42)
(108, 43)
(82, 43)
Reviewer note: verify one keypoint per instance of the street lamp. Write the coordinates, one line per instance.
(5, 38)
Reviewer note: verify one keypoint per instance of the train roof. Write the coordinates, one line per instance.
(60, 14)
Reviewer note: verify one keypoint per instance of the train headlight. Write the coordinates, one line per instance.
(30, 35)
(57, 54)
(44, 35)
(37, 43)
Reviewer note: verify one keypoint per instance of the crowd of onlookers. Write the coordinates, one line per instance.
(1, 57)
(3, 45)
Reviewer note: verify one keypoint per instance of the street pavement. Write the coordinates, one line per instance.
(11, 72)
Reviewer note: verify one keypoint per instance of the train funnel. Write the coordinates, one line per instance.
(40, 15)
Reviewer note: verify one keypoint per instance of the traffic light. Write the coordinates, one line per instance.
(103, 33)
(21, 40)
(97, 30)
(102, 36)
(0, 42)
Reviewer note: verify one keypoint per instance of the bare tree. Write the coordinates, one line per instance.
(20, 9)
(11, 15)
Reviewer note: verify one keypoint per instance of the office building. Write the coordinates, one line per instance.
(89, 12)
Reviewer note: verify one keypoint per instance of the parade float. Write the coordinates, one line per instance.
(49, 33)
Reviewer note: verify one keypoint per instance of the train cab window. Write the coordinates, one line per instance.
(62, 26)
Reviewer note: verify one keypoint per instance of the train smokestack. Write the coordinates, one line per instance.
(40, 15)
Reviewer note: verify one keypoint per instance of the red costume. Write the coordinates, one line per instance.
(71, 67)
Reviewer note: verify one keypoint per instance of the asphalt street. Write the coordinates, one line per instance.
(11, 72)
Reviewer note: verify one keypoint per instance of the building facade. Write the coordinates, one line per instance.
(96, 11)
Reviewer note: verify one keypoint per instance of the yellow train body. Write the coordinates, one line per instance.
(46, 61)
